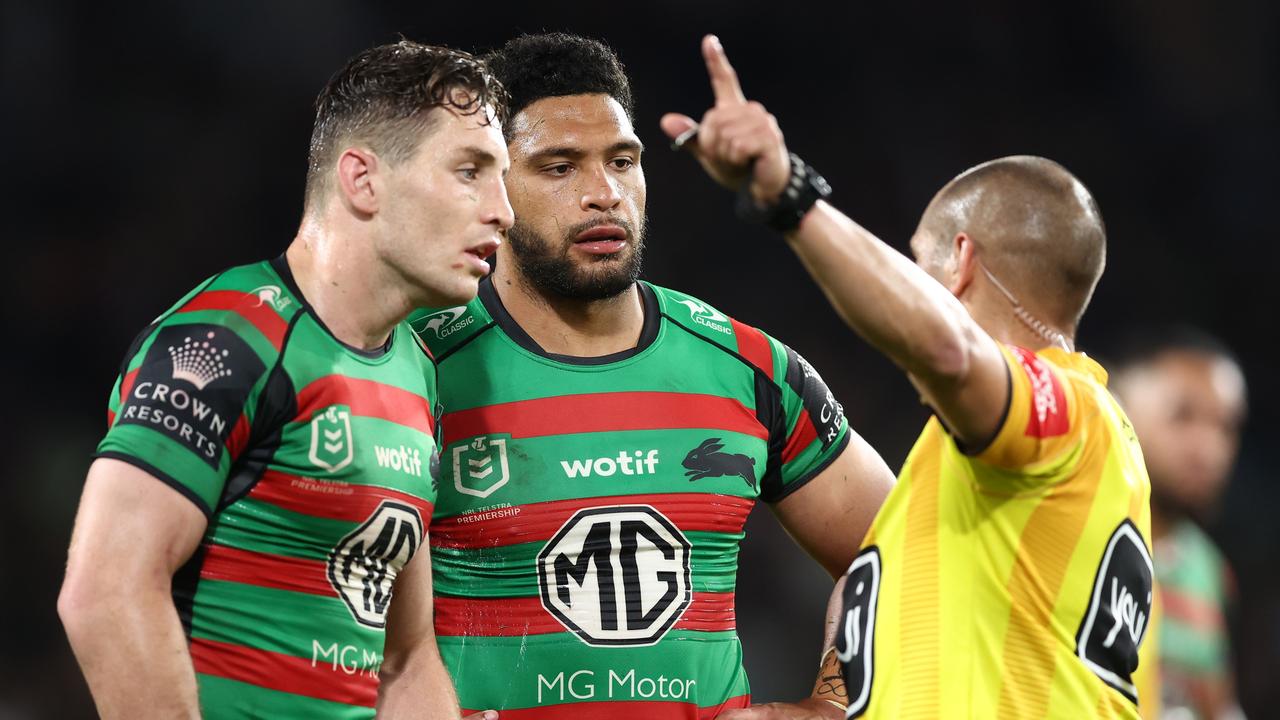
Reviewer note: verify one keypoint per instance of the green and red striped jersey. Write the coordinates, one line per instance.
(315, 463)
(585, 540)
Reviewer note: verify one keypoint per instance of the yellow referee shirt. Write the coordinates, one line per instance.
(1014, 583)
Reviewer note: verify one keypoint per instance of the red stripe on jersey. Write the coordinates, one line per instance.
(366, 398)
(246, 305)
(513, 617)
(330, 498)
(265, 570)
(126, 384)
(238, 438)
(285, 673)
(621, 710)
(803, 434)
(1048, 415)
(754, 346)
(539, 521)
(604, 412)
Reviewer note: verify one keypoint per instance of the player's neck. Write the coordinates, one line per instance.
(994, 313)
(345, 286)
(568, 326)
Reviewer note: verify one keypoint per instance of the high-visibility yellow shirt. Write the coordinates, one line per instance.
(1015, 582)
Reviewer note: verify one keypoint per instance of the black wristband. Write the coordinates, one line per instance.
(804, 188)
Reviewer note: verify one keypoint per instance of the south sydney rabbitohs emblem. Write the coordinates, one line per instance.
(332, 446)
(616, 575)
(480, 465)
(445, 322)
(363, 566)
(707, 461)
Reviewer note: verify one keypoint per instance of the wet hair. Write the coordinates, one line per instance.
(384, 97)
(533, 67)
(1036, 227)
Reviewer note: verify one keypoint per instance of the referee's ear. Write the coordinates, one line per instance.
(962, 265)
(358, 182)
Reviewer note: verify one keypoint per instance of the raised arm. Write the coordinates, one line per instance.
(132, 533)
(880, 293)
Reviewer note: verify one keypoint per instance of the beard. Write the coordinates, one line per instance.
(551, 270)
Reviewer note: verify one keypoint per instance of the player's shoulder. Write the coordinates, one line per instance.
(248, 306)
(444, 330)
(752, 345)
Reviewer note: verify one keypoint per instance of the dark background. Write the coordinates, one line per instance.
(147, 147)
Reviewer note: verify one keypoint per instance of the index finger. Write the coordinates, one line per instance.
(724, 81)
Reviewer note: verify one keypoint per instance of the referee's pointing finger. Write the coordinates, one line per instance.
(724, 81)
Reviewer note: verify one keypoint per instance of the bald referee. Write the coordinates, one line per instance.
(1008, 574)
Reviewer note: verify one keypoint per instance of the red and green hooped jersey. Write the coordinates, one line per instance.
(316, 466)
(585, 541)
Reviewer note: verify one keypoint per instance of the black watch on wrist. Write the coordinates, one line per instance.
(804, 188)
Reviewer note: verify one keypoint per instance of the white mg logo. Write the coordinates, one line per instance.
(616, 575)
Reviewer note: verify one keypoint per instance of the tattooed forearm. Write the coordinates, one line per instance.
(830, 683)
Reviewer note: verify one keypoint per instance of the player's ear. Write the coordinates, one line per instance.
(358, 182)
(962, 265)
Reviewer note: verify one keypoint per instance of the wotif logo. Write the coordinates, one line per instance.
(405, 459)
(706, 316)
(445, 322)
(637, 462)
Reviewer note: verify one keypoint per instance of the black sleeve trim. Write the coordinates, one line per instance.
(841, 446)
(160, 475)
(1004, 418)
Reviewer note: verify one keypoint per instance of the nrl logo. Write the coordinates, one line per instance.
(480, 466)
(271, 295)
(707, 316)
(332, 447)
(445, 322)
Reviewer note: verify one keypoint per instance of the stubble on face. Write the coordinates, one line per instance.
(549, 265)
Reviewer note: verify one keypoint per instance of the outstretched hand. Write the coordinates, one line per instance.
(737, 141)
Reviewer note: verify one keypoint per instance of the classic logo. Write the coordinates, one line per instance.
(363, 567)
(706, 461)
(1119, 610)
(332, 446)
(480, 465)
(271, 295)
(854, 636)
(199, 362)
(616, 575)
(445, 322)
(707, 316)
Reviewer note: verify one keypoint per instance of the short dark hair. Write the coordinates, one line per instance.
(533, 67)
(1039, 227)
(384, 96)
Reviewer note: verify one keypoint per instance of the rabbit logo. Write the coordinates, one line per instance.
(706, 461)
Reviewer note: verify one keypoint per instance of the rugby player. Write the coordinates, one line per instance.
(1185, 392)
(605, 438)
(1008, 574)
(269, 466)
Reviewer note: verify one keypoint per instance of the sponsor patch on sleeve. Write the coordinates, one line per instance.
(824, 410)
(1048, 412)
(192, 386)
